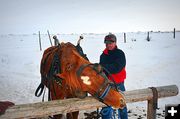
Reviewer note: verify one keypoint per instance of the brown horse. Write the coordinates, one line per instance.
(68, 74)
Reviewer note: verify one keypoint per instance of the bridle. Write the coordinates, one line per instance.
(106, 85)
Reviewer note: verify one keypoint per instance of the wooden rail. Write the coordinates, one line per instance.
(43, 109)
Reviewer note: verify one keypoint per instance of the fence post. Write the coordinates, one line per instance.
(148, 39)
(174, 36)
(152, 104)
(49, 37)
(151, 112)
(40, 41)
(124, 37)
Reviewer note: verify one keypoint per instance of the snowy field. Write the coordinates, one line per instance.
(154, 63)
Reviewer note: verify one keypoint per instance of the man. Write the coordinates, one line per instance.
(113, 59)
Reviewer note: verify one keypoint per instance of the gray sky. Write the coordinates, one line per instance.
(95, 16)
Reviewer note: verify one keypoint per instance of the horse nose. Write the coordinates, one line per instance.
(122, 103)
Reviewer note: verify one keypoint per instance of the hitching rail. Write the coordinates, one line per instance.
(42, 109)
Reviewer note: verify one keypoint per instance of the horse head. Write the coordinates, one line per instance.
(79, 76)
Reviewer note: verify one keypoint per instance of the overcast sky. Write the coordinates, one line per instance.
(84, 16)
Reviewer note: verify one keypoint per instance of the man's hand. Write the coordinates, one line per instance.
(4, 105)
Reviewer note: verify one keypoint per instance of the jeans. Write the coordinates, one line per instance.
(107, 113)
(122, 113)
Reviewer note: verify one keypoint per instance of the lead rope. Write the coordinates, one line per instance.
(44, 94)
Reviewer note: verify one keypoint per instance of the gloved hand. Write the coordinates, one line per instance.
(98, 67)
(4, 105)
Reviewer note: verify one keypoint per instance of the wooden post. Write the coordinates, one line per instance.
(148, 39)
(49, 37)
(151, 112)
(152, 104)
(124, 37)
(174, 36)
(40, 41)
(55, 107)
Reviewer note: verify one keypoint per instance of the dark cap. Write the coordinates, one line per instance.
(110, 38)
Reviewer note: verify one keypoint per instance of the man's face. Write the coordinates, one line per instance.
(111, 46)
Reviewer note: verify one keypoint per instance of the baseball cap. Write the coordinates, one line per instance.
(110, 38)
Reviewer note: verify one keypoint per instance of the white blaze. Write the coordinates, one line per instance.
(85, 80)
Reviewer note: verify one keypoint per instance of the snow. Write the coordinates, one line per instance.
(154, 63)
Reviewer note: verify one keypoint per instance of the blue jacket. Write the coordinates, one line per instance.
(115, 62)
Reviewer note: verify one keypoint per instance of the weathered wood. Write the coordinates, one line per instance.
(42, 109)
(146, 94)
(50, 108)
(151, 112)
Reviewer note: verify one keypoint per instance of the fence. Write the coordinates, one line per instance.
(43, 109)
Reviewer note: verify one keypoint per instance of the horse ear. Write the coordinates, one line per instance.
(81, 58)
(63, 75)
(76, 54)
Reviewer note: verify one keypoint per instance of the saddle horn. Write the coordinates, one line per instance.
(79, 48)
(56, 41)
(80, 38)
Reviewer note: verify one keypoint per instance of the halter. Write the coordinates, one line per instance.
(107, 85)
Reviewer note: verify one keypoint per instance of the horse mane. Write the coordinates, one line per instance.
(71, 65)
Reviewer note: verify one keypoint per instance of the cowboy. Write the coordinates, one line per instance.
(114, 61)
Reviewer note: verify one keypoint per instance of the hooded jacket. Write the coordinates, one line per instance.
(114, 61)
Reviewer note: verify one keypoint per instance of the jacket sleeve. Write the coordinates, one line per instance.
(118, 64)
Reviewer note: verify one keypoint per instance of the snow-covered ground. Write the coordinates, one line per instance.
(154, 63)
